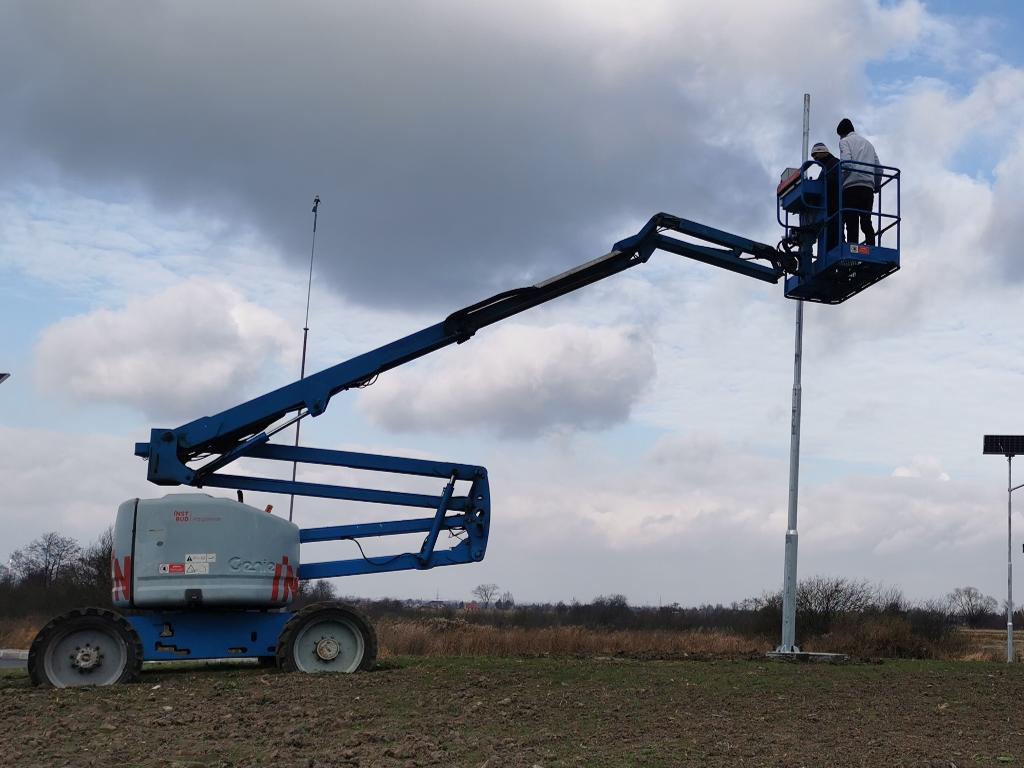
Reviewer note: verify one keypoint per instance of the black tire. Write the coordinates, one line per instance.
(338, 619)
(114, 633)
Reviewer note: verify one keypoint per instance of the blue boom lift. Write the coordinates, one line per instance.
(194, 576)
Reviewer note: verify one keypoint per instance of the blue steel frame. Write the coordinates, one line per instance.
(174, 455)
(194, 635)
(848, 268)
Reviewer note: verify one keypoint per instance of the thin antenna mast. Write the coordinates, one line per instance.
(305, 338)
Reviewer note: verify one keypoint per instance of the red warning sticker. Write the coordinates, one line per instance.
(122, 578)
(175, 567)
(286, 582)
(861, 249)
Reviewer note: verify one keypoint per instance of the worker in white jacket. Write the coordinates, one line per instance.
(860, 181)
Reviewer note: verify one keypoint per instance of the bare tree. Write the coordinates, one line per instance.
(95, 560)
(611, 611)
(506, 601)
(46, 558)
(315, 592)
(971, 605)
(90, 577)
(485, 593)
(829, 596)
(890, 599)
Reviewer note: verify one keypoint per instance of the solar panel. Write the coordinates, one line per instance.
(1004, 445)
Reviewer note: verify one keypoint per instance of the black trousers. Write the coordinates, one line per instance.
(833, 229)
(863, 200)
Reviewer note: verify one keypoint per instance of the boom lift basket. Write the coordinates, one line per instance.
(832, 275)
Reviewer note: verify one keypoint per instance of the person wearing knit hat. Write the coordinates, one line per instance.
(830, 173)
(860, 181)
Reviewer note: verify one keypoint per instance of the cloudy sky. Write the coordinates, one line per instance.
(159, 162)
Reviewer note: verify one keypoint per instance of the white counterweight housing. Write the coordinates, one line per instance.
(193, 549)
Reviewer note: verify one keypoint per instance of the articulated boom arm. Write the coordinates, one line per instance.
(245, 430)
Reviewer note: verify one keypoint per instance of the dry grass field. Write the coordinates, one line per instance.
(990, 645)
(438, 637)
(441, 637)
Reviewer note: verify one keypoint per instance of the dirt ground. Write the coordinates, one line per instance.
(529, 712)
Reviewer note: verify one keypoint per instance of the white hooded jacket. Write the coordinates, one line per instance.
(858, 149)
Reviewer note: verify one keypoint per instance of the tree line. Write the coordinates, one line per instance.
(823, 602)
(55, 573)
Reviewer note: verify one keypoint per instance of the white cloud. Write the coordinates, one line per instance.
(71, 483)
(195, 345)
(522, 381)
(705, 518)
(628, 112)
(605, 112)
(960, 153)
(927, 467)
(1005, 229)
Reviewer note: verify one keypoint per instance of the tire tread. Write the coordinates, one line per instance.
(52, 628)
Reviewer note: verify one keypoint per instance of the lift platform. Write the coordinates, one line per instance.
(831, 275)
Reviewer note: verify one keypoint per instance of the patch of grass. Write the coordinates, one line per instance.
(18, 632)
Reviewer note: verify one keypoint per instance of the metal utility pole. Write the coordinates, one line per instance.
(1008, 445)
(305, 338)
(1009, 559)
(788, 644)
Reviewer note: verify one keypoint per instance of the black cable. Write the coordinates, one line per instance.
(452, 533)
(366, 382)
(374, 562)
